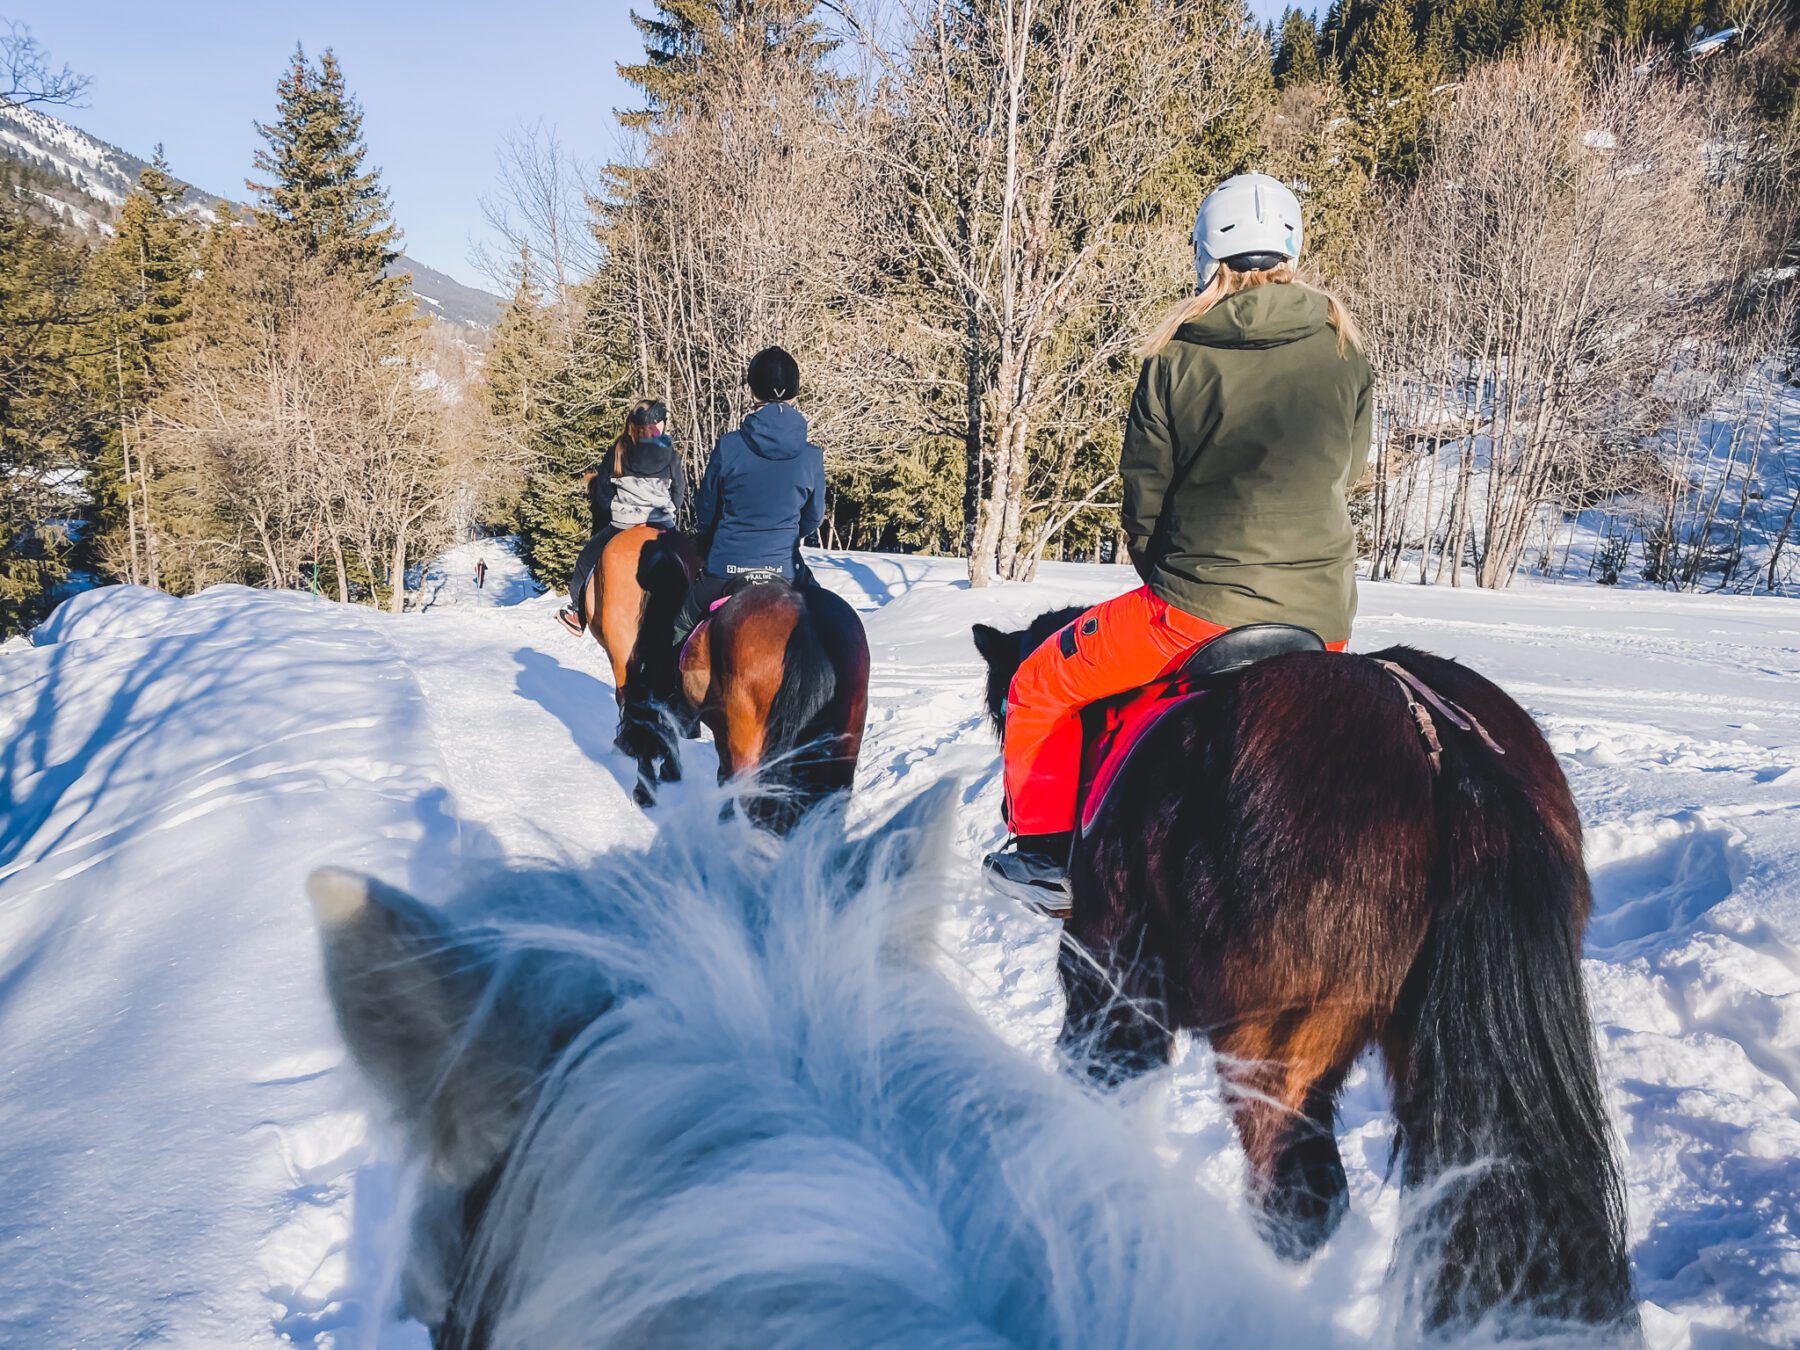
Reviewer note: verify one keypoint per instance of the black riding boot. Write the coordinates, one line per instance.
(1035, 870)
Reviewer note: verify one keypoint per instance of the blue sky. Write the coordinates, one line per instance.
(441, 87)
(439, 91)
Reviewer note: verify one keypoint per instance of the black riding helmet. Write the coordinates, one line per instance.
(648, 414)
(774, 376)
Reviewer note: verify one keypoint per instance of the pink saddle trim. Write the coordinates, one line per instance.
(1112, 730)
(699, 628)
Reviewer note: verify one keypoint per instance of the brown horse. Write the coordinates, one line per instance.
(631, 600)
(781, 676)
(1284, 866)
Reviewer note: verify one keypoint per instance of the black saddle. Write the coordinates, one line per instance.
(1246, 646)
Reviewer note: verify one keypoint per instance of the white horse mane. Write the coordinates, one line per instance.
(787, 1129)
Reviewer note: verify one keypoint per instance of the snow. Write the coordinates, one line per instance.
(37, 138)
(1706, 46)
(1741, 457)
(187, 1156)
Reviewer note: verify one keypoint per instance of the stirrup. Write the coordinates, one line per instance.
(571, 621)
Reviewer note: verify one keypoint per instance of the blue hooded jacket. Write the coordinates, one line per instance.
(763, 492)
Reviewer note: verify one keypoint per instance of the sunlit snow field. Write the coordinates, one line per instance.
(186, 1157)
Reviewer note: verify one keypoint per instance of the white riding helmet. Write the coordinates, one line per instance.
(1253, 217)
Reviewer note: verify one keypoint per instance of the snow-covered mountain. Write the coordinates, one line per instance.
(446, 298)
(82, 181)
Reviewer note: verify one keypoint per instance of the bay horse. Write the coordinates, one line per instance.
(1284, 865)
(631, 599)
(780, 674)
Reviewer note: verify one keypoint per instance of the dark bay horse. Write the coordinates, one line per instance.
(631, 601)
(781, 676)
(1280, 866)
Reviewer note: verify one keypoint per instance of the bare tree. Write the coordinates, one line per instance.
(1026, 134)
(1574, 239)
(309, 430)
(27, 73)
(745, 223)
(539, 207)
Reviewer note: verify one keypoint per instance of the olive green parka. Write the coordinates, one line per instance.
(1245, 435)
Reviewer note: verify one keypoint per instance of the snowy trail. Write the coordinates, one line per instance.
(186, 1157)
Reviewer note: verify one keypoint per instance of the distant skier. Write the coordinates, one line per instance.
(480, 573)
(639, 482)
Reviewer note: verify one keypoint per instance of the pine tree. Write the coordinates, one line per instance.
(570, 426)
(516, 370)
(47, 317)
(153, 252)
(683, 36)
(1296, 47)
(1388, 91)
(1439, 48)
(145, 272)
(1636, 21)
(1342, 30)
(1313, 144)
(516, 385)
(315, 188)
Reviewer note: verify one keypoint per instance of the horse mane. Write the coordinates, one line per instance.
(789, 1128)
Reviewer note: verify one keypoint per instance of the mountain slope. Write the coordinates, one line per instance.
(81, 180)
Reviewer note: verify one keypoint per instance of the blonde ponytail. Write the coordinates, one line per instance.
(1227, 282)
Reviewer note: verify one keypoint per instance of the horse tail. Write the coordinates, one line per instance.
(1498, 1100)
(654, 659)
(799, 738)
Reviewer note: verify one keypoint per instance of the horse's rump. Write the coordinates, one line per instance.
(1253, 846)
(781, 673)
(642, 578)
(1282, 868)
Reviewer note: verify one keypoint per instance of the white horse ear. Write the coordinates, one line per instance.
(411, 995)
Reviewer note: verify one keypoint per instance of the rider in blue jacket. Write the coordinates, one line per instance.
(763, 492)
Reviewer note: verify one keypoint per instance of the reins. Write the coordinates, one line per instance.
(1423, 700)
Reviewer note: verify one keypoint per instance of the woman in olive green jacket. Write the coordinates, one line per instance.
(1250, 423)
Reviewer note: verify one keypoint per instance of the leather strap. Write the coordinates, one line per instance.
(1424, 700)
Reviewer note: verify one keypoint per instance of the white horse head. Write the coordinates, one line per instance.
(717, 1093)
